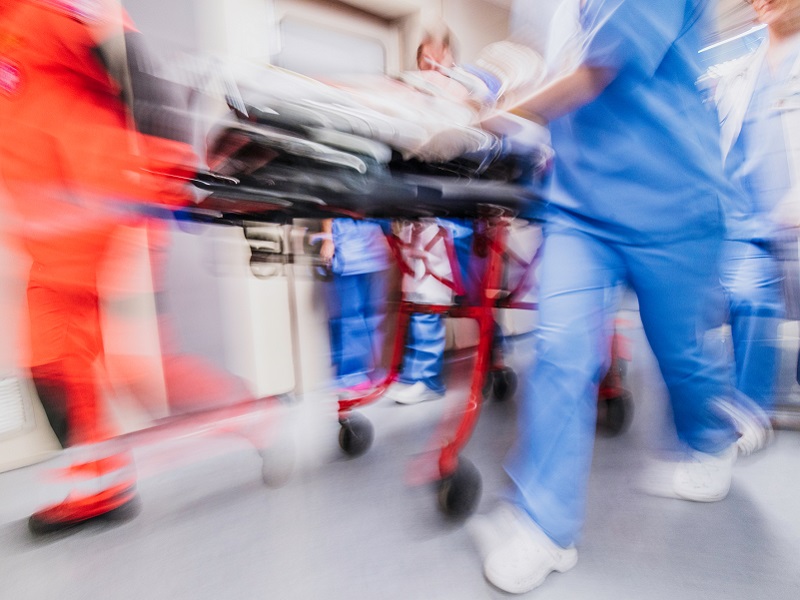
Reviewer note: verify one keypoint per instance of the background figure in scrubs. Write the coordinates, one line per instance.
(636, 197)
(421, 376)
(758, 98)
(358, 254)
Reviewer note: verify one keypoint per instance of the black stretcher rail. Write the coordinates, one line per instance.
(390, 198)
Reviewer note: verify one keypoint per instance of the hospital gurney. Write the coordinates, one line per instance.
(493, 206)
(286, 159)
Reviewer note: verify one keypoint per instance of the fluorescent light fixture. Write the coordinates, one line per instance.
(736, 37)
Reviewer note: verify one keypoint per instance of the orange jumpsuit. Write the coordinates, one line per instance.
(73, 164)
(76, 160)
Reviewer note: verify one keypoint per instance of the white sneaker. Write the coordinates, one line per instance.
(700, 477)
(415, 393)
(517, 554)
(397, 387)
(751, 423)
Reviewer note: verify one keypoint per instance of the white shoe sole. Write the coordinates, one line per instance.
(567, 560)
(416, 393)
(504, 538)
(393, 392)
(418, 400)
(664, 479)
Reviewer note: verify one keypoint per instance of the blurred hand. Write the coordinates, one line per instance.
(327, 250)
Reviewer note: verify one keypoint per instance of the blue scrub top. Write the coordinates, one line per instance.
(759, 160)
(360, 247)
(642, 162)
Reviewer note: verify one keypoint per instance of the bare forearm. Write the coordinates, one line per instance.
(562, 96)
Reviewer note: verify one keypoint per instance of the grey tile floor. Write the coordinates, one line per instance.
(352, 529)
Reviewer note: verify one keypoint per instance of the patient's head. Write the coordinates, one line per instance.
(434, 51)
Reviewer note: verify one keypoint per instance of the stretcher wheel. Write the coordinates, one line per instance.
(500, 384)
(614, 414)
(460, 493)
(355, 435)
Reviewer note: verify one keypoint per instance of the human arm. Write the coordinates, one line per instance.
(328, 248)
(616, 36)
(562, 96)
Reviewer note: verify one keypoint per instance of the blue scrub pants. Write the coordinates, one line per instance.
(356, 312)
(580, 281)
(752, 279)
(424, 356)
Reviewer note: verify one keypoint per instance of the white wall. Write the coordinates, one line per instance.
(338, 17)
(248, 28)
(530, 21)
(240, 28)
(475, 24)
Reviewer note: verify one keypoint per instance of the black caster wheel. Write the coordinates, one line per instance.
(355, 435)
(615, 413)
(500, 384)
(460, 493)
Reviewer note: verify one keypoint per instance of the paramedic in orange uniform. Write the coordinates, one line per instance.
(76, 159)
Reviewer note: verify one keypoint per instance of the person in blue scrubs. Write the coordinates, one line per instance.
(420, 377)
(359, 260)
(636, 197)
(752, 101)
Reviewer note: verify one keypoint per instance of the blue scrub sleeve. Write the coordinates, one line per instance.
(631, 34)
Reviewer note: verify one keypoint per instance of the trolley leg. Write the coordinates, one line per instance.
(614, 402)
(396, 365)
(460, 482)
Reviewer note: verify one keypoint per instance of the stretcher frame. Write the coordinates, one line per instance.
(493, 207)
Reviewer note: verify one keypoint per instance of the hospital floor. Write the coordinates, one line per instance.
(352, 529)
